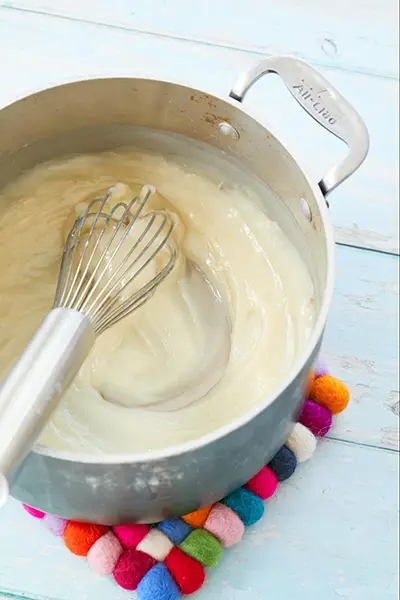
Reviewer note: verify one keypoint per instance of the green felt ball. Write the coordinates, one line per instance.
(202, 546)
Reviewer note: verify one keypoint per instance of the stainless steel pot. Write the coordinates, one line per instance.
(100, 114)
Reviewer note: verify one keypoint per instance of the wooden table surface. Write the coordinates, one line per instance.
(331, 532)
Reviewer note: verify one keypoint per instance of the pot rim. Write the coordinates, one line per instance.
(253, 412)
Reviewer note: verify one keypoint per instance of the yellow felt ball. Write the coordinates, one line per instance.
(330, 392)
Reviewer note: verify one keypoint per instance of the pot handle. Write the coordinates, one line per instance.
(32, 390)
(322, 102)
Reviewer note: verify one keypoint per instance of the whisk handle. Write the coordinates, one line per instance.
(36, 383)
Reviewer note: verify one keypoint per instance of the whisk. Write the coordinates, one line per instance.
(113, 262)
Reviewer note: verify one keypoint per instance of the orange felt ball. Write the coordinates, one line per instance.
(197, 518)
(331, 393)
(80, 537)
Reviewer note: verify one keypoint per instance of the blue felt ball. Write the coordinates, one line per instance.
(158, 584)
(248, 506)
(283, 464)
(175, 529)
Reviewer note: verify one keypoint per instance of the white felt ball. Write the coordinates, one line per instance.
(156, 544)
(302, 442)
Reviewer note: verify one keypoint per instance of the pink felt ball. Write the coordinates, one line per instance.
(225, 525)
(263, 484)
(130, 536)
(34, 512)
(316, 418)
(104, 554)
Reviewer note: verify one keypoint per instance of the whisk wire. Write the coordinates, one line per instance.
(137, 300)
(107, 292)
(75, 234)
(137, 259)
(116, 250)
(93, 277)
(93, 282)
(83, 292)
(155, 252)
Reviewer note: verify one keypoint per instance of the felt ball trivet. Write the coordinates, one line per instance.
(168, 559)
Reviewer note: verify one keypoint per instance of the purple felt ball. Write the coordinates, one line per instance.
(316, 418)
(321, 369)
(55, 525)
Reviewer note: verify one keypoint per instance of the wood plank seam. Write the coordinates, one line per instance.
(333, 438)
(254, 51)
(368, 248)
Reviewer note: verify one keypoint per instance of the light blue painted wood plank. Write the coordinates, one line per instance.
(47, 50)
(361, 345)
(330, 533)
(360, 35)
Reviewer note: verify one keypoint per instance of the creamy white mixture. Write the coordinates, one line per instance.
(255, 327)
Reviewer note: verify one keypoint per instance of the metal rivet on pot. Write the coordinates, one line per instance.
(228, 129)
(306, 209)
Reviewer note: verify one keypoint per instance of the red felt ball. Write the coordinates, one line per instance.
(131, 567)
(188, 573)
(263, 484)
(130, 536)
(80, 537)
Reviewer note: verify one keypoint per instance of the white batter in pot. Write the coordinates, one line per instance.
(148, 357)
